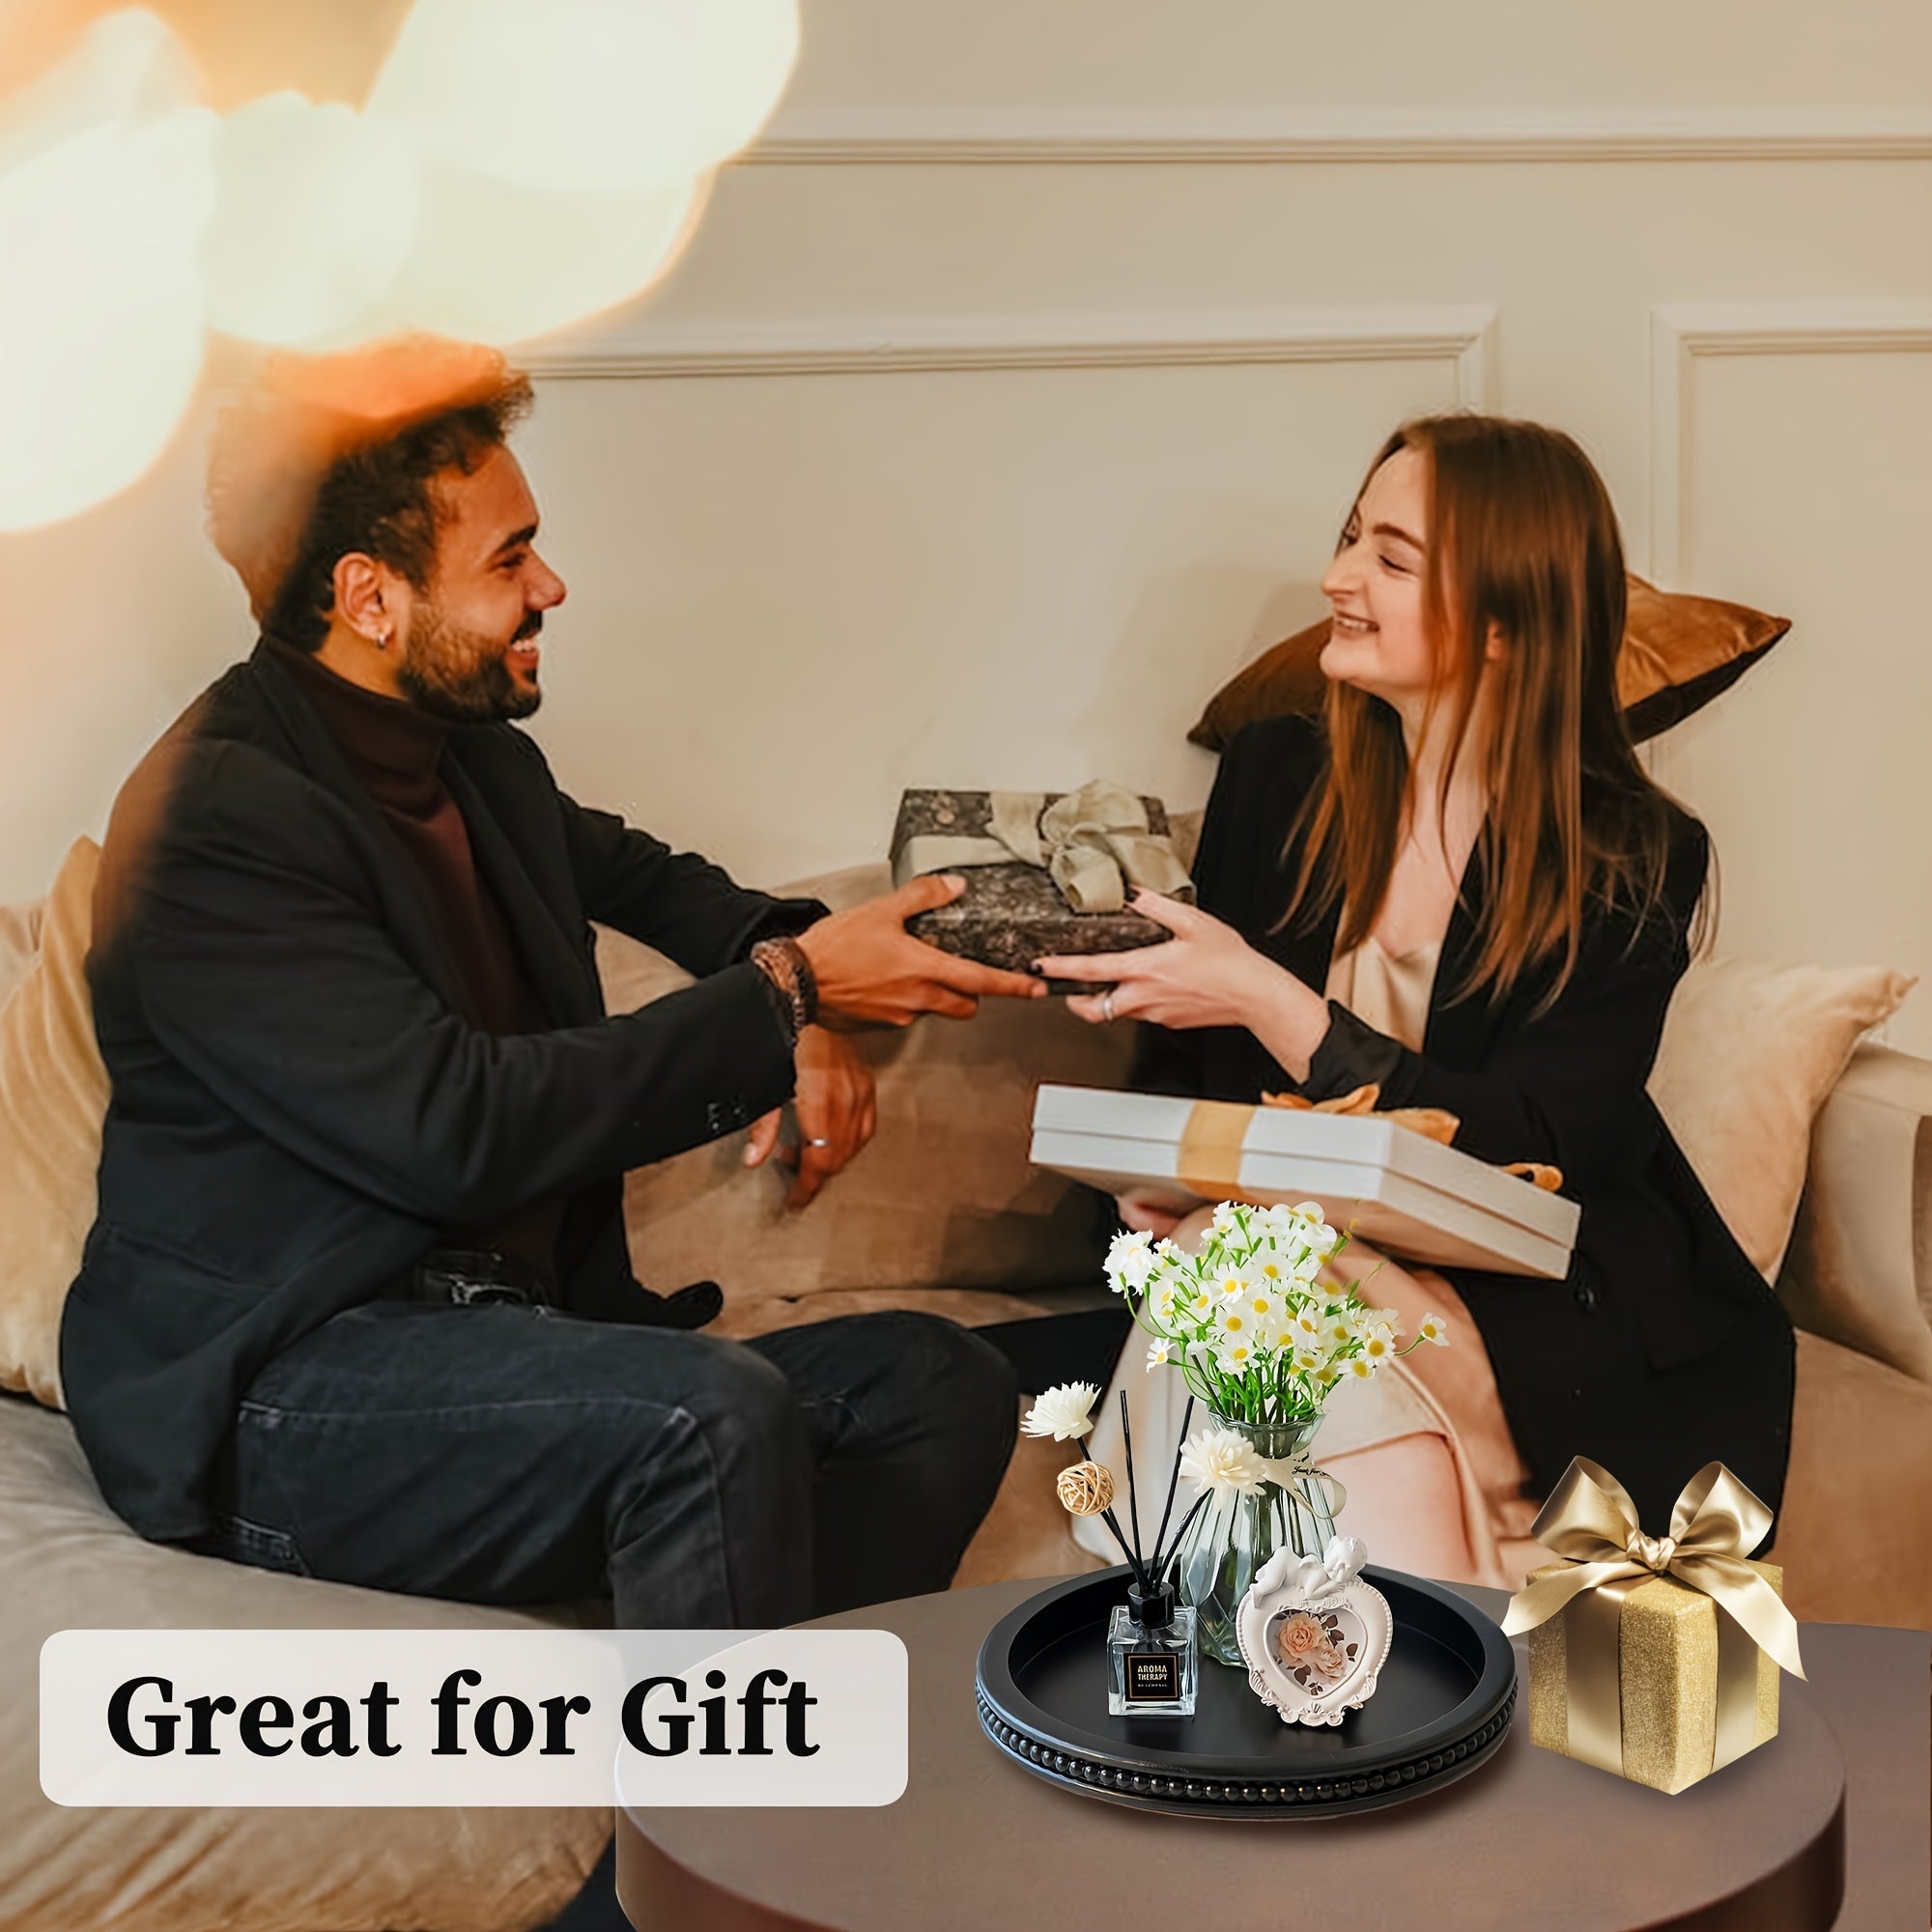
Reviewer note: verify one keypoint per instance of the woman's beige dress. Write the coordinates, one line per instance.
(1435, 1481)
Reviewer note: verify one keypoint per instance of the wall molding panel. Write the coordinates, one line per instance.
(1119, 340)
(905, 137)
(1683, 335)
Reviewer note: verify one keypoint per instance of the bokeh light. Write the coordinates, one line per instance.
(315, 210)
(495, 262)
(520, 164)
(102, 327)
(592, 96)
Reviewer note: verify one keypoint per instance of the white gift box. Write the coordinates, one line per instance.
(1389, 1186)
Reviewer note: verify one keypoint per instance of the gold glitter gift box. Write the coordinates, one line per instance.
(1654, 1658)
(1667, 1644)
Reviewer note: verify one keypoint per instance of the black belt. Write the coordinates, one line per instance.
(474, 1278)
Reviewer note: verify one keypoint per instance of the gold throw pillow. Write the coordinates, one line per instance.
(1677, 653)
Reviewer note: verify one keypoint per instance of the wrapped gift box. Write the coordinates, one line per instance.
(1011, 914)
(1391, 1187)
(1669, 1672)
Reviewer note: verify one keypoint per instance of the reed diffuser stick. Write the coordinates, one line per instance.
(1133, 1500)
(1160, 1535)
(1180, 1534)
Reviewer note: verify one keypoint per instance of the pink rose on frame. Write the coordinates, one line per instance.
(1303, 1639)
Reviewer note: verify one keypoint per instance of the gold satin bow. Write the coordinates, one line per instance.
(1590, 1519)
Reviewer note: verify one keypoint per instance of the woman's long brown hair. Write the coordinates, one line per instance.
(1522, 536)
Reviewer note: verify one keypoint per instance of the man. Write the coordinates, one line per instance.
(356, 1302)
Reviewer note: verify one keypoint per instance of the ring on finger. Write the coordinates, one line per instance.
(1107, 1004)
(818, 1143)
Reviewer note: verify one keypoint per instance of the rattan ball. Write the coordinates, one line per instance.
(1086, 1489)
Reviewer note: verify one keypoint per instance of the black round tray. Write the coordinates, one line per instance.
(1442, 1705)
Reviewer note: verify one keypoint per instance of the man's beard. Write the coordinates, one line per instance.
(461, 676)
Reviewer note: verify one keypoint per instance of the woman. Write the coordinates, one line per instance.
(1462, 888)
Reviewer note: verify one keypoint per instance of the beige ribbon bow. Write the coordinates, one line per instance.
(1717, 1522)
(1092, 843)
(1317, 1492)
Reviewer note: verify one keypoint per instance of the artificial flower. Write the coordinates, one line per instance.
(1302, 1639)
(1233, 1286)
(1362, 1369)
(1160, 1353)
(1063, 1412)
(1130, 1260)
(1223, 1460)
(1431, 1328)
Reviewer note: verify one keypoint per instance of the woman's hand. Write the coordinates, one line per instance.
(1206, 975)
(838, 1113)
(1147, 1214)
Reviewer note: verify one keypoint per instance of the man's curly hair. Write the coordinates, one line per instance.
(321, 457)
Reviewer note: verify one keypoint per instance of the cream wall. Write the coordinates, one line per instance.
(1009, 397)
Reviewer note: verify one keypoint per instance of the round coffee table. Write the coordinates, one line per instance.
(1532, 1839)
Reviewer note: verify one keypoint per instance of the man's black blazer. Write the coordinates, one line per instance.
(298, 1113)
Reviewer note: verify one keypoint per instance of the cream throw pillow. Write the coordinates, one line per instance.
(20, 941)
(1749, 1052)
(53, 1094)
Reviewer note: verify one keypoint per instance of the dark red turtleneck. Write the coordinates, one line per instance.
(396, 751)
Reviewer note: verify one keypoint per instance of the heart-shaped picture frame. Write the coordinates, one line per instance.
(1314, 1635)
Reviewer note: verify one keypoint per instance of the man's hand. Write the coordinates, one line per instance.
(838, 1112)
(869, 968)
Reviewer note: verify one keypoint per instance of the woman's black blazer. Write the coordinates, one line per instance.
(1664, 1348)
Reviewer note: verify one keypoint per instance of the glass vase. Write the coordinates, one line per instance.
(1236, 1534)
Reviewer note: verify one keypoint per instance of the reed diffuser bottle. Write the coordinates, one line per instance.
(1154, 1664)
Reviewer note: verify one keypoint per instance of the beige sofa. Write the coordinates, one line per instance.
(942, 1211)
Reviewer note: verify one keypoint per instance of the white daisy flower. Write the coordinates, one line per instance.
(1236, 1352)
(1377, 1345)
(1130, 1260)
(1231, 1318)
(1226, 1218)
(1220, 1459)
(1063, 1412)
(1159, 1353)
(1197, 1300)
(1362, 1369)
(1231, 1285)
(1430, 1328)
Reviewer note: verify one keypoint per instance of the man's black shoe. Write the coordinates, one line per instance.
(690, 1307)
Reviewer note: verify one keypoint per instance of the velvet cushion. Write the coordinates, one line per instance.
(1677, 653)
(1860, 1266)
(53, 1092)
(71, 1564)
(943, 1197)
(20, 941)
(1750, 1051)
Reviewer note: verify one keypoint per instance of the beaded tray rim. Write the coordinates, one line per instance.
(1219, 1788)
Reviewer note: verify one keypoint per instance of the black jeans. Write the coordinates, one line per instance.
(512, 1455)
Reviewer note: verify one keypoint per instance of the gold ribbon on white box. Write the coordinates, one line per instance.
(1092, 843)
(1591, 1520)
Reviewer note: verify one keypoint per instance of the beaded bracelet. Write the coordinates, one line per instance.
(788, 973)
